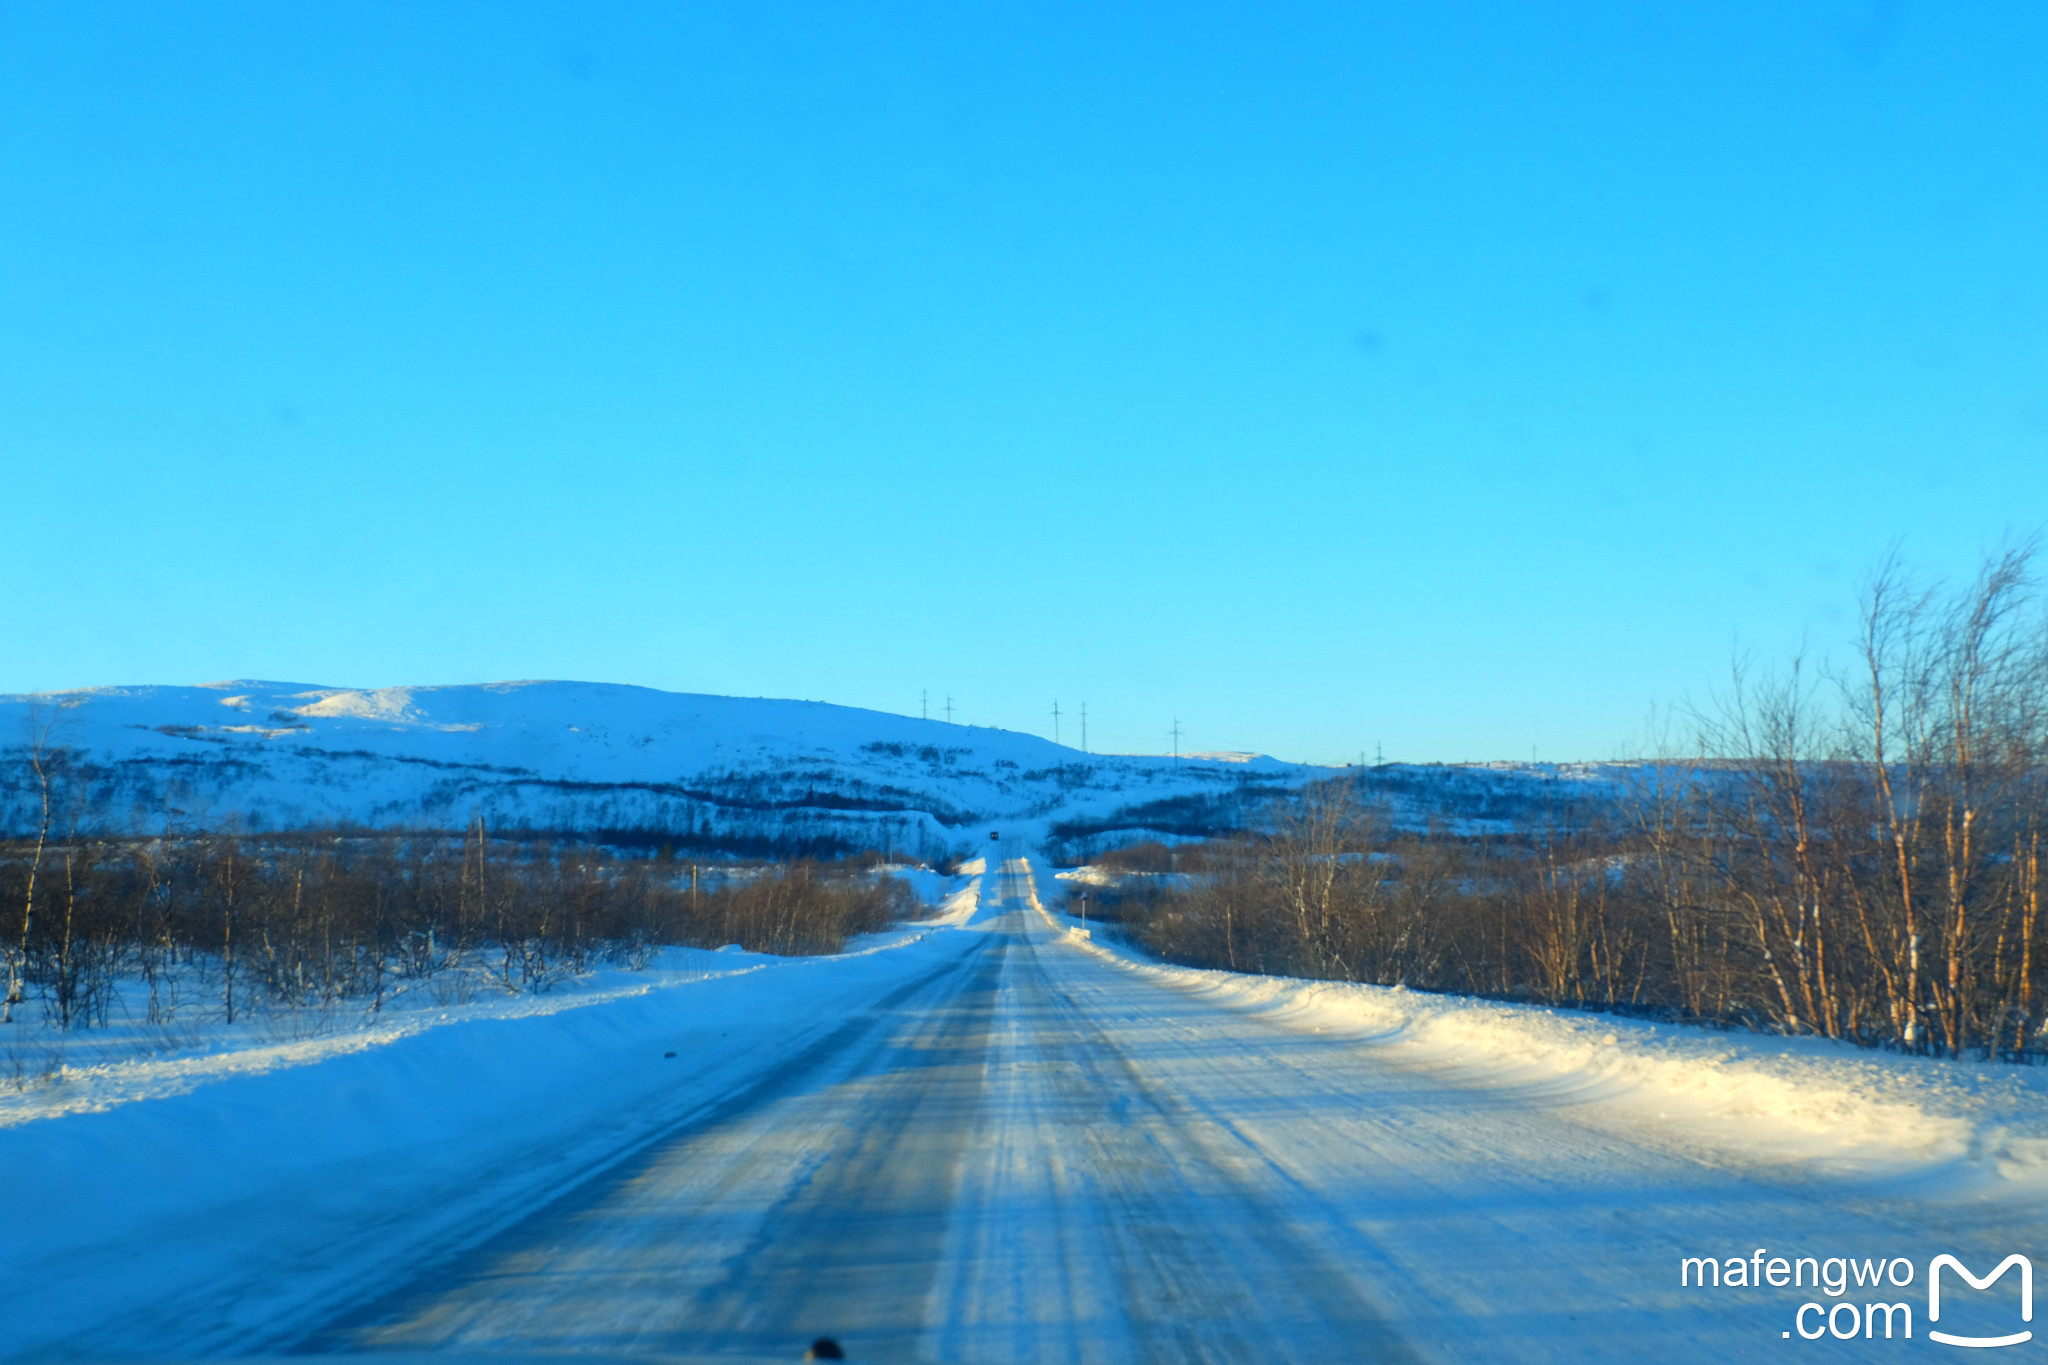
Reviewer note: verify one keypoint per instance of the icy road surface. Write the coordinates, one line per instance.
(1028, 1152)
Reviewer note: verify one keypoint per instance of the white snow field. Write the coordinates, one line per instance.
(993, 1139)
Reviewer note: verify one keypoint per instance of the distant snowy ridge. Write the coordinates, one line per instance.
(626, 764)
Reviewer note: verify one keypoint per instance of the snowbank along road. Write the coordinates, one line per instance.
(998, 1142)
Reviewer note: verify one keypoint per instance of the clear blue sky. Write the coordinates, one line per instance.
(1462, 378)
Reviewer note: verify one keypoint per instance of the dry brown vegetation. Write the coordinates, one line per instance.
(216, 924)
(1857, 857)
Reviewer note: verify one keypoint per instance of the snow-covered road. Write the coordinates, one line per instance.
(1032, 1153)
(992, 1142)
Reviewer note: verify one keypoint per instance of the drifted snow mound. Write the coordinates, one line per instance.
(385, 704)
(1934, 1128)
(594, 758)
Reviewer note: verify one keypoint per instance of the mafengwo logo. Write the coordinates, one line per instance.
(1879, 1312)
(2012, 1262)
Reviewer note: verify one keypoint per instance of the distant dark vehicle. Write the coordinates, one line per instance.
(994, 835)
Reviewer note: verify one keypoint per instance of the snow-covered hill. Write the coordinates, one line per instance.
(627, 764)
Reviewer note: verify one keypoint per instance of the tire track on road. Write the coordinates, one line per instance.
(633, 1261)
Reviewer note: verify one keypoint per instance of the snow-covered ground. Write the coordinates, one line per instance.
(990, 1138)
(46, 1073)
(130, 1049)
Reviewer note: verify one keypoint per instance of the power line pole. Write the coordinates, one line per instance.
(1176, 741)
(1084, 727)
(1055, 720)
(949, 708)
(924, 705)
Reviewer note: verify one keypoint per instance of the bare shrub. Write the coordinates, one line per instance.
(301, 928)
(1852, 855)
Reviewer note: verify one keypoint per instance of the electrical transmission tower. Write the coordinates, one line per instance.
(1055, 720)
(949, 708)
(1176, 740)
(1084, 727)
